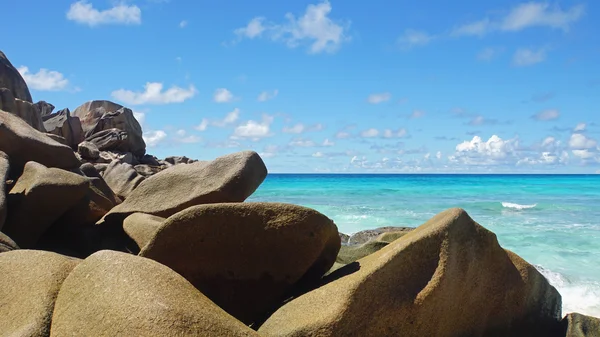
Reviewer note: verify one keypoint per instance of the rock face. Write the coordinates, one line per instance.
(11, 79)
(117, 294)
(38, 199)
(370, 234)
(578, 325)
(122, 178)
(44, 108)
(7, 244)
(430, 282)
(110, 139)
(142, 228)
(230, 178)
(61, 123)
(25, 110)
(28, 288)
(22, 143)
(4, 169)
(245, 256)
(97, 116)
(88, 150)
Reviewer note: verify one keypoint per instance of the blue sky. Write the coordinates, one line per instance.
(331, 86)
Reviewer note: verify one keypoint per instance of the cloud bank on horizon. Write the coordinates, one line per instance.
(333, 86)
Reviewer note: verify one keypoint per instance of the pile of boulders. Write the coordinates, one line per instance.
(91, 247)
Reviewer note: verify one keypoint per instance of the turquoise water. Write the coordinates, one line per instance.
(553, 221)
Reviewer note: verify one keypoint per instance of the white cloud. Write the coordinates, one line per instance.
(370, 133)
(342, 135)
(203, 125)
(254, 29)
(318, 155)
(254, 130)
(267, 95)
(526, 57)
(532, 14)
(479, 152)
(153, 138)
(44, 79)
(580, 127)
(302, 143)
(579, 141)
(223, 95)
(414, 38)
(584, 154)
(417, 114)
(153, 94)
(520, 17)
(547, 115)
(229, 119)
(327, 142)
(84, 13)
(183, 24)
(298, 128)
(181, 133)
(379, 98)
(314, 28)
(438, 155)
(387, 133)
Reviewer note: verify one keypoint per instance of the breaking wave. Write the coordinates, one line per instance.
(517, 206)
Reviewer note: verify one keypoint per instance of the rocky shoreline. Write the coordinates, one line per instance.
(99, 238)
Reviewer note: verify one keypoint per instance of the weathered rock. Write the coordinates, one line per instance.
(98, 116)
(349, 254)
(61, 123)
(88, 150)
(108, 157)
(28, 288)
(370, 234)
(62, 140)
(44, 108)
(448, 277)
(149, 160)
(101, 167)
(91, 171)
(142, 228)
(147, 170)
(230, 178)
(4, 170)
(111, 139)
(175, 160)
(11, 79)
(391, 236)
(22, 143)
(118, 294)
(7, 244)
(578, 325)
(122, 178)
(27, 111)
(246, 256)
(40, 196)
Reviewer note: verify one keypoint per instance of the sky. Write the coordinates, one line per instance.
(331, 86)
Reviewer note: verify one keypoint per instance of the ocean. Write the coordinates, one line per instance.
(552, 221)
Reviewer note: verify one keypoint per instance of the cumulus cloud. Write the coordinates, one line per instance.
(414, 38)
(254, 130)
(579, 141)
(153, 94)
(546, 115)
(84, 12)
(203, 125)
(229, 119)
(343, 135)
(327, 142)
(369, 133)
(140, 117)
(301, 142)
(267, 95)
(313, 28)
(491, 152)
(523, 16)
(153, 138)
(318, 154)
(580, 127)
(44, 79)
(527, 57)
(222, 95)
(379, 98)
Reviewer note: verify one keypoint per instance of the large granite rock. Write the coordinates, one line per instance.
(97, 116)
(7, 244)
(22, 143)
(25, 110)
(142, 228)
(110, 139)
(118, 294)
(4, 170)
(88, 150)
(44, 108)
(61, 123)
(578, 325)
(448, 277)
(122, 178)
(230, 178)
(365, 236)
(246, 256)
(11, 79)
(28, 288)
(39, 197)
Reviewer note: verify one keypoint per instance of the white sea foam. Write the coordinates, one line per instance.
(517, 206)
(577, 296)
